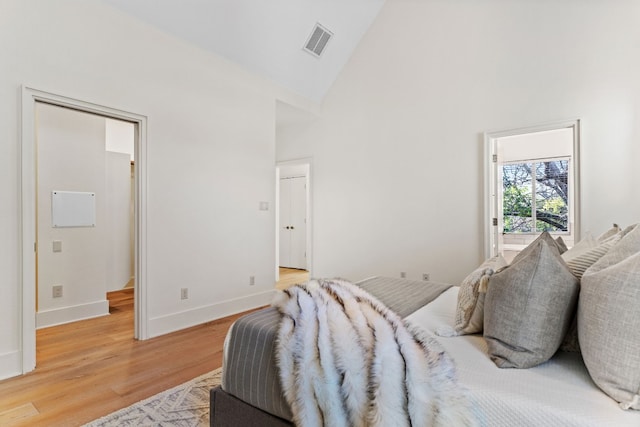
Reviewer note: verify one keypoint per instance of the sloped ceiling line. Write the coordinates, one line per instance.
(266, 37)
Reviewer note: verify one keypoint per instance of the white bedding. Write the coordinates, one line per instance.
(556, 393)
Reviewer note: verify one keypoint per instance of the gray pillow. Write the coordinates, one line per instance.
(544, 236)
(528, 308)
(609, 321)
(562, 246)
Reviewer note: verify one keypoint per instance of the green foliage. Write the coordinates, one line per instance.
(517, 208)
(551, 205)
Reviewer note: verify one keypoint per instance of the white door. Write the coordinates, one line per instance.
(293, 222)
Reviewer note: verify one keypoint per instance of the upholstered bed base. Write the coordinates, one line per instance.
(229, 411)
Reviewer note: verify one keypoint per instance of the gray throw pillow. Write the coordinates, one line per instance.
(562, 246)
(544, 236)
(609, 321)
(528, 308)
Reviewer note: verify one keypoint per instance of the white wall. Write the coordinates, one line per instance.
(537, 145)
(93, 260)
(210, 158)
(118, 221)
(398, 147)
(120, 145)
(120, 137)
(71, 157)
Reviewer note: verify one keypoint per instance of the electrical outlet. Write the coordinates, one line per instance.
(57, 291)
(252, 280)
(184, 293)
(425, 276)
(403, 274)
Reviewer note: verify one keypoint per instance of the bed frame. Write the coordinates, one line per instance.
(229, 411)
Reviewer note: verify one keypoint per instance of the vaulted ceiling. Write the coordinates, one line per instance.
(266, 36)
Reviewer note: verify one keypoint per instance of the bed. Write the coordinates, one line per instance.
(558, 392)
(250, 393)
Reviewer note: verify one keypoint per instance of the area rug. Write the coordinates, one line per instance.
(186, 405)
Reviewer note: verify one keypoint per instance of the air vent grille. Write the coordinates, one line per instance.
(318, 40)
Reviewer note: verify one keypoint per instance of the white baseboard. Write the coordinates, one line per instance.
(185, 319)
(70, 314)
(10, 364)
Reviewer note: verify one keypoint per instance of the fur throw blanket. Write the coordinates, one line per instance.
(347, 360)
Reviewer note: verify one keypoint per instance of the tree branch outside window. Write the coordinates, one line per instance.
(540, 184)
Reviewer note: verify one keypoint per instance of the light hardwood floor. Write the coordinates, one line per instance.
(91, 368)
(290, 277)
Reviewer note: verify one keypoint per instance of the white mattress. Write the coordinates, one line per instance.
(556, 393)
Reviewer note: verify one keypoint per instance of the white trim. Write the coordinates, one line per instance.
(490, 177)
(27, 214)
(490, 202)
(308, 161)
(62, 315)
(11, 364)
(184, 319)
(277, 223)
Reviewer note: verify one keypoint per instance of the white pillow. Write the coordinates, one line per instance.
(610, 232)
(470, 307)
(580, 263)
(584, 245)
(628, 244)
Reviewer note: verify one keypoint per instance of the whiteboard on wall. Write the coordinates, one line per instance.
(73, 209)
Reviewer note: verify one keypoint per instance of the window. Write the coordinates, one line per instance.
(542, 184)
(532, 185)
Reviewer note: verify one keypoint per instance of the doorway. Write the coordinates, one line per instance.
(29, 208)
(82, 155)
(532, 179)
(293, 216)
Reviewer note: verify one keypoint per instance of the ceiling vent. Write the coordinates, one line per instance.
(318, 40)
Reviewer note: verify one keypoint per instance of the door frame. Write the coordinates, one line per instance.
(27, 205)
(308, 162)
(491, 208)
